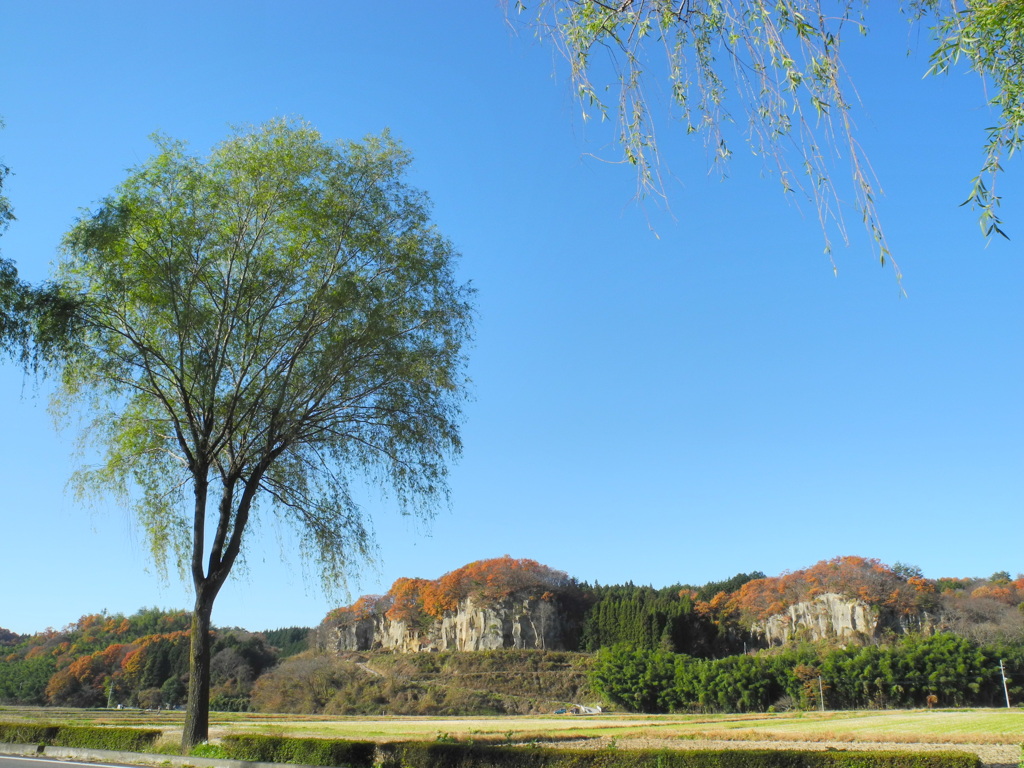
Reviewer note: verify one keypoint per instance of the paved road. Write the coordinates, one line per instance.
(12, 761)
(14, 756)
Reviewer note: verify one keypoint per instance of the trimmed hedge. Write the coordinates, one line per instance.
(357, 754)
(82, 736)
(27, 733)
(440, 755)
(367, 754)
(281, 749)
(120, 739)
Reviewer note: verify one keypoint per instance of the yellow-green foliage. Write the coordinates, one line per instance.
(449, 754)
(445, 755)
(278, 749)
(85, 737)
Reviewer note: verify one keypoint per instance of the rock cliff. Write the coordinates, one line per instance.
(831, 616)
(522, 621)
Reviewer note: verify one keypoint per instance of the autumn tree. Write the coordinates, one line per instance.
(865, 579)
(778, 69)
(414, 600)
(155, 658)
(260, 327)
(87, 681)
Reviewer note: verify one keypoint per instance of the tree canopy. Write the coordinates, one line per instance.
(11, 328)
(36, 322)
(777, 67)
(262, 326)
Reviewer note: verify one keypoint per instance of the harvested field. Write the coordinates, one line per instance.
(992, 755)
(994, 734)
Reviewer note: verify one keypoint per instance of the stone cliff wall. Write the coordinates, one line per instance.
(520, 621)
(525, 621)
(836, 617)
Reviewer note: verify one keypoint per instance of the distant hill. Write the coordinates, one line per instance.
(509, 603)
(505, 635)
(138, 660)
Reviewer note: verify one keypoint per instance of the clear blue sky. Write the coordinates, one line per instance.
(663, 409)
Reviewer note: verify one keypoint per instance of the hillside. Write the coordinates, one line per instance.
(522, 604)
(446, 683)
(138, 660)
(507, 603)
(508, 635)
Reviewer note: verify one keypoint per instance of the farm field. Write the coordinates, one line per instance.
(995, 734)
(960, 726)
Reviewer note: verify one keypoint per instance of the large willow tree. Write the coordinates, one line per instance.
(775, 69)
(261, 326)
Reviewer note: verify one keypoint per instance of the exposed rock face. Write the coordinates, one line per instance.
(836, 617)
(520, 621)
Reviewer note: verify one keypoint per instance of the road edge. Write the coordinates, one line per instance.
(131, 758)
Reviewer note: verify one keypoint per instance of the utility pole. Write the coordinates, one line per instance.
(1006, 691)
(821, 694)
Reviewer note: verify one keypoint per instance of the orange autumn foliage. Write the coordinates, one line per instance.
(134, 661)
(494, 579)
(81, 682)
(722, 609)
(367, 605)
(1003, 593)
(405, 599)
(921, 584)
(861, 578)
(411, 600)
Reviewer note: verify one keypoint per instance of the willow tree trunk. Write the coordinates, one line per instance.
(197, 707)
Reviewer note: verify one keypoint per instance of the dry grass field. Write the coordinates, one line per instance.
(995, 734)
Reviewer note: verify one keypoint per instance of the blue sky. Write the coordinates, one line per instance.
(663, 408)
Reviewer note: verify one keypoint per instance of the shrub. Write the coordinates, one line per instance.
(25, 733)
(223, 703)
(86, 737)
(446, 753)
(91, 737)
(208, 750)
(441, 755)
(279, 749)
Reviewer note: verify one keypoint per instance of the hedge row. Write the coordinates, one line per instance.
(439, 755)
(281, 749)
(84, 737)
(365, 754)
(355, 754)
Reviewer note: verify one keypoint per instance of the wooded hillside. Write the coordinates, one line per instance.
(687, 641)
(138, 660)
